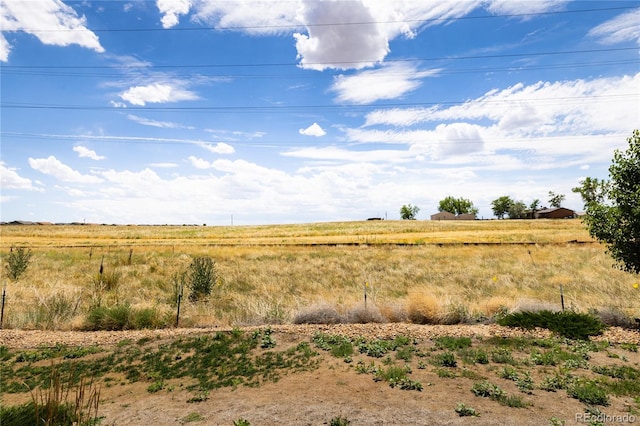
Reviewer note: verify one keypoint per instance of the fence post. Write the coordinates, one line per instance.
(562, 298)
(4, 292)
(179, 300)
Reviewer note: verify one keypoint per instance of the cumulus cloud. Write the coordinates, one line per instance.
(340, 46)
(313, 130)
(625, 27)
(199, 163)
(51, 21)
(11, 179)
(171, 10)
(53, 167)
(84, 152)
(156, 93)
(389, 82)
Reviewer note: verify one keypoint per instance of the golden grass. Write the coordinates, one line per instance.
(264, 282)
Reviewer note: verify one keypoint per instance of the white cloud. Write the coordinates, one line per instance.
(163, 165)
(199, 163)
(313, 130)
(218, 148)
(156, 93)
(84, 152)
(250, 16)
(389, 82)
(543, 108)
(171, 10)
(51, 21)
(156, 123)
(5, 49)
(513, 7)
(340, 46)
(53, 167)
(10, 179)
(625, 27)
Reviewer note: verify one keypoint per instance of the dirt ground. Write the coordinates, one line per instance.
(335, 388)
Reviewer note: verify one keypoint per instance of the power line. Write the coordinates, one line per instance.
(244, 109)
(275, 64)
(316, 76)
(332, 24)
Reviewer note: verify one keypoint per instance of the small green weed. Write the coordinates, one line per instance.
(446, 359)
(339, 421)
(464, 411)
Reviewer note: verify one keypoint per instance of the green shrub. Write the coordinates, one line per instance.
(446, 359)
(17, 262)
(567, 324)
(201, 277)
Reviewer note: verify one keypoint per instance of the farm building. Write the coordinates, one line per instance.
(555, 213)
(450, 216)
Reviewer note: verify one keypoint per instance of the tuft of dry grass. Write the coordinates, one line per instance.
(322, 313)
(423, 308)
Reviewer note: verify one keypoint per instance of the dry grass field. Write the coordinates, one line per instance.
(440, 272)
(285, 337)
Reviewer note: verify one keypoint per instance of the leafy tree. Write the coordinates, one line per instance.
(592, 189)
(409, 212)
(500, 206)
(556, 199)
(535, 205)
(517, 210)
(457, 206)
(613, 207)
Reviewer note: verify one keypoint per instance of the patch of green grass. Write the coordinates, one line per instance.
(572, 325)
(192, 417)
(502, 356)
(444, 373)
(452, 343)
(631, 347)
(588, 392)
(488, 390)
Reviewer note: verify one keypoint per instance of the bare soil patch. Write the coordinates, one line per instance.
(335, 388)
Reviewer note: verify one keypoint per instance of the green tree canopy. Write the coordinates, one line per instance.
(613, 207)
(517, 210)
(457, 206)
(501, 206)
(556, 199)
(409, 212)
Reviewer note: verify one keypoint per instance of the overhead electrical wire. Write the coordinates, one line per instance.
(333, 24)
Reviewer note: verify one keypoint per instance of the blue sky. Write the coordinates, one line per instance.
(193, 111)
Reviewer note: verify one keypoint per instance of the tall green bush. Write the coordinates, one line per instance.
(17, 262)
(201, 277)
